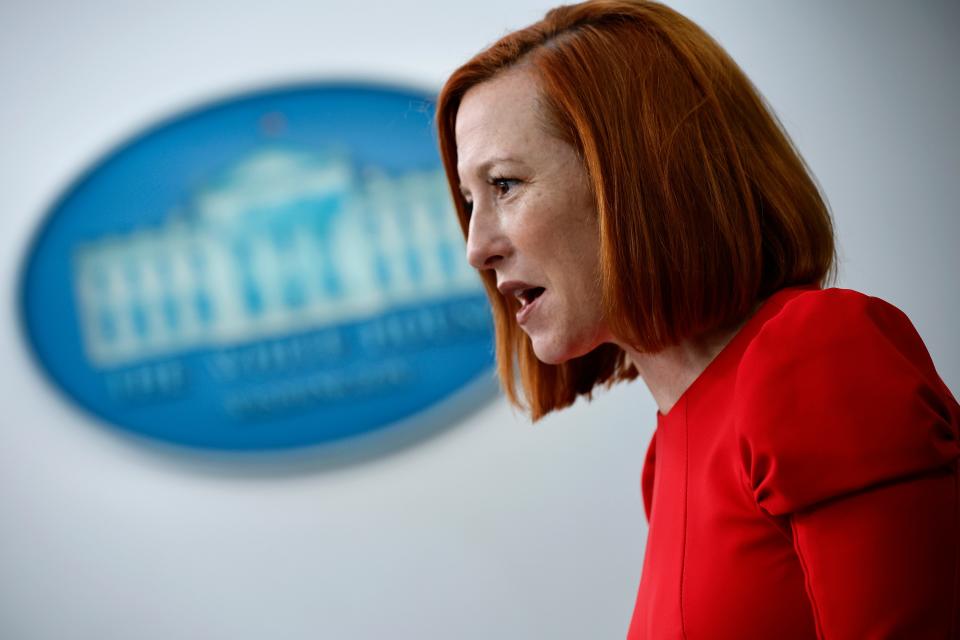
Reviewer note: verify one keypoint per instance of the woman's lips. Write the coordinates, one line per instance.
(524, 313)
(528, 295)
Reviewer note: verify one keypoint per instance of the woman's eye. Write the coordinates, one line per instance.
(503, 185)
(468, 207)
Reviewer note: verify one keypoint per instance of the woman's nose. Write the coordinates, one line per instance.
(486, 243)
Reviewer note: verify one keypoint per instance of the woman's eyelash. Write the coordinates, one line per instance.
(503, 184)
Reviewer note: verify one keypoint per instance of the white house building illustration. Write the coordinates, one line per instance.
(284, 241)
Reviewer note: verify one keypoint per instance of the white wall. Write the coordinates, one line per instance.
(493, 529)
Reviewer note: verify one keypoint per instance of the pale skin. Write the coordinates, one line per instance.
(534, 224)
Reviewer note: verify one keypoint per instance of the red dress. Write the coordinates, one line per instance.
(806, 484)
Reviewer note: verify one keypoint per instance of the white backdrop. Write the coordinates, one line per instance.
(493, 529)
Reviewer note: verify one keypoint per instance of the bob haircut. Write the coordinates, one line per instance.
(705, 207)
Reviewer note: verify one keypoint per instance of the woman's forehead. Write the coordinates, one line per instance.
(497, 119)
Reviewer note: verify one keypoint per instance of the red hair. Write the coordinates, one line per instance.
(705, 207)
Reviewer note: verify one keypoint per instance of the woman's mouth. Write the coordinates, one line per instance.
(528, 299)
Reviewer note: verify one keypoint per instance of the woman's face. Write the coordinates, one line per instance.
(533, 220)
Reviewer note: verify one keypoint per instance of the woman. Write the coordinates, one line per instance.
(635, 209)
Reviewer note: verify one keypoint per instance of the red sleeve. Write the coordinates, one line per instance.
(848, 436)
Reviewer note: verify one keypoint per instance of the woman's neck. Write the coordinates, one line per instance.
(670, 372)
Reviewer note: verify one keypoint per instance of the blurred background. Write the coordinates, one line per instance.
(490, 528)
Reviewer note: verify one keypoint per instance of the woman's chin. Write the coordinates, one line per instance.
(550, 359)
(555, 352)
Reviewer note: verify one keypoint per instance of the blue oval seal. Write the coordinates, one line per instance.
(276, 270)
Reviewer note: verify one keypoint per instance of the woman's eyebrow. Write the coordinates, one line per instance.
(485, 166)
